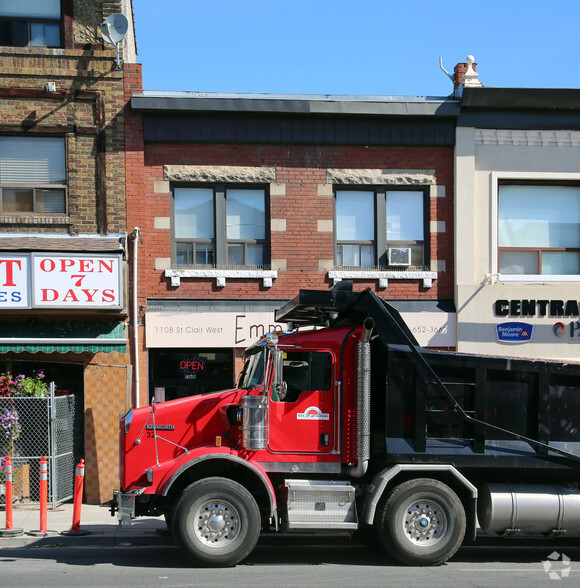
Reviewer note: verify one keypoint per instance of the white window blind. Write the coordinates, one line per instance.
(355, 215)
(539, 216)
(246, 214)
(32, 160)
(30, 8)
(405, 216)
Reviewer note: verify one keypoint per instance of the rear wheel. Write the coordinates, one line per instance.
(216, 522)
(422, 522)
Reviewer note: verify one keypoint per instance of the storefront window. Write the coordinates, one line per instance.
(177, 373)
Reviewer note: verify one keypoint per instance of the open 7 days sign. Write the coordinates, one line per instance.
(37, 280)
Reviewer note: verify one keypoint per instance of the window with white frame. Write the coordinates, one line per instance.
(33, 175)
(26, 23)
(220, 226)
(380, 227)
(539, 229)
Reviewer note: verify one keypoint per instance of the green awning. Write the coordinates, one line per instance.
(36, 337)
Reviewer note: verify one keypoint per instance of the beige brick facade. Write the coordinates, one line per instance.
(85, 107)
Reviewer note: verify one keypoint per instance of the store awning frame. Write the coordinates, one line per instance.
(63, 337)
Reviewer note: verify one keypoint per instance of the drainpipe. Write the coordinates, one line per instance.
(136, 233)
(363, 391)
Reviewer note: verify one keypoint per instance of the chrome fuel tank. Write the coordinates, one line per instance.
(530, 508)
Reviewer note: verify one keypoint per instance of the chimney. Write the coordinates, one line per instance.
(465, 74)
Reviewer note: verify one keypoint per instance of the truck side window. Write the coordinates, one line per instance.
(306, 370)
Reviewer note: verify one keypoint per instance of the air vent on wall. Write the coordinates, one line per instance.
(399, 255)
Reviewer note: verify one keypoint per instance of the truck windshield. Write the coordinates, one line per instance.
(253, 373)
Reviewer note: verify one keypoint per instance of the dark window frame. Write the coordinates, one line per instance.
(65, 11)
(220, 241)
(380, 242)
(36, 187)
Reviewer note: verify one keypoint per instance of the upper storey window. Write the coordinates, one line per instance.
(32, 175)
(380, 228)
(220, 226)
(25, 23)
(539, 230)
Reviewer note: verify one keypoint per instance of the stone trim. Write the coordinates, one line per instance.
(383, 276)
(278, 225)
(162, 222)
(437, 191)
(219, 173)
(325, 226)
(221, 275)
(161, 187)
(527, 138)
(389, 177)
(325, 189)
(22, 219)
(277, 189)
(437, 226)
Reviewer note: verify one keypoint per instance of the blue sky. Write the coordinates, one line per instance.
(363, 47)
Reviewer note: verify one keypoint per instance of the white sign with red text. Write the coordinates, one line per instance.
(14, 281)
(76, 281)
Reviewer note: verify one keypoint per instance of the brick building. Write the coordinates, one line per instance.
(63, 300)
(518, 198)
(241, 200)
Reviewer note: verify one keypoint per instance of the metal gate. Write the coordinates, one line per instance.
(47, 429)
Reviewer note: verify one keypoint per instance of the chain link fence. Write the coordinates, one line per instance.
(47, 429)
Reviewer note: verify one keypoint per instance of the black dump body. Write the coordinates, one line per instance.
(498, 417)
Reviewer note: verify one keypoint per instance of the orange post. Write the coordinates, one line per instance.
(78, 496)
(43, 472)
(9, 530)
(8, 495)
(78, 501)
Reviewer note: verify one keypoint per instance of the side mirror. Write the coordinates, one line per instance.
(282, 389)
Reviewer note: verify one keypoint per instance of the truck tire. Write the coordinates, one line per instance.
(216, 522)
(422, 522)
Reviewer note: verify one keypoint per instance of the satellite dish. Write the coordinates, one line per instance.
(114, 29)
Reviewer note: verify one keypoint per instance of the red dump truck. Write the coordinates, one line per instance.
(345, 423)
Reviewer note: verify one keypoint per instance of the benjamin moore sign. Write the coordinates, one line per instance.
(514, 332)
(38, 280)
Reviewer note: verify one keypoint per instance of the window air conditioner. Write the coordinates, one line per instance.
(399, 255)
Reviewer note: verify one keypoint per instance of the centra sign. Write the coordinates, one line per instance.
(529, 308)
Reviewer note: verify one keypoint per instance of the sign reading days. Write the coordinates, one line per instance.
(60, 281)
(76, 281)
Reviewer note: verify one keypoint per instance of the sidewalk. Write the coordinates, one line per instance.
(97, 526)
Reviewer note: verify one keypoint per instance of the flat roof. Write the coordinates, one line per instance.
(295, 103)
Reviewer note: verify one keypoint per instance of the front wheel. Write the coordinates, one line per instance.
(216, 522)
(422, 522)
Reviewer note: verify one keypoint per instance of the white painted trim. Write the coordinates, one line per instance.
(537, 278)
(220, 275)
(383, 276)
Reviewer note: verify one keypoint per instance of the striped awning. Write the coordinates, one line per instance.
(36, 337)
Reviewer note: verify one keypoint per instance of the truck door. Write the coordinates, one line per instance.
(304, 420)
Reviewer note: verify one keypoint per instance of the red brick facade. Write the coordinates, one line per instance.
(301, 169)
(304, 200)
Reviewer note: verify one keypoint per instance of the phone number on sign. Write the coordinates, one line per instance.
(424, 329)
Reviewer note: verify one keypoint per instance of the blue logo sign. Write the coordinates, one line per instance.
(514, 332)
